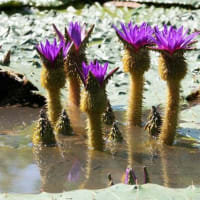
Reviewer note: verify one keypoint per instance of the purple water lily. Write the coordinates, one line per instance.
(75, 32)
(171, 39)
(51, 51)
(98, 71)
(137, 36)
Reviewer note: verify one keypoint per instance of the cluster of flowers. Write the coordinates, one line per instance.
(77, 34)
(137, 40)
(169, 40)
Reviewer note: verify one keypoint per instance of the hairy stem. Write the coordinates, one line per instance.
(54, 106)
(168, 130)
(95, 139)
(135, 99)
(74, 90)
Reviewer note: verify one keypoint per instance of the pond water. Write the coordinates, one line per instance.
(70, 165)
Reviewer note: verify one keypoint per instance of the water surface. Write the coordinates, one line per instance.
(71, 165)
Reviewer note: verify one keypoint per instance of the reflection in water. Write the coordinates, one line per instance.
(29, 173)
(90, 166)
(99, 166)
(179, 166)
(16, 167)
(77, 119)
(60, 167)
(138, 150)
(72, 166)
(135, 141)
(165, 163)
(52, 168)
(13, 119)
(74, 173)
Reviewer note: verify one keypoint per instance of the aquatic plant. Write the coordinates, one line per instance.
(52, 75)
(136, 61)
(108, 116)
(79, 37)
(63, 126)
(43, 133)
(154, 122)
(115, 134)
(172, 44)
(94, 99)
(130, 177)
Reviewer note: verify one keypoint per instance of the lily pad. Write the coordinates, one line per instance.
(119, 191)
(35, 3)
(192, 3)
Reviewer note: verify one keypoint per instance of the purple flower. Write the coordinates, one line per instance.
(60, 35)
(74, 173)
(171, 39)
(130, 177)
(137, 36)
(76, 33)
(98, 71)
(51, 51)
(65, 47)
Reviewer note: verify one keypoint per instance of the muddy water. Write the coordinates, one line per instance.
(71, 165)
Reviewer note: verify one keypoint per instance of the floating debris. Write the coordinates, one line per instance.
(194, 96)
(16, 89)
(108, 115)
(154, 122)
(115, 134)
(63, 126)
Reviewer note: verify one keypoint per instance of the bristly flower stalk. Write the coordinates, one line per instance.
(136, 61)
(172, 44)
(52, 75)
(94, 100)
(79, 38)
